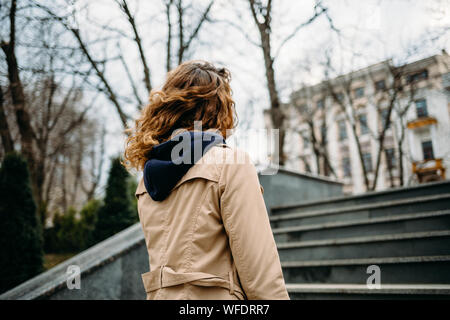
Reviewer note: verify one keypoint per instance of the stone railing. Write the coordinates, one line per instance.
(289, 187)
(109, 270)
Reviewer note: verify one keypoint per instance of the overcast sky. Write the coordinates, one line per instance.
(370, 31)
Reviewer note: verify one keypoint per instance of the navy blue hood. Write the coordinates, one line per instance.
(163, 170)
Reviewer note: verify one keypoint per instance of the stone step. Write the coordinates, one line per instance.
(404, 223)
(391, 245)
(369, 197)
(421, 269)
(361, 291)
(363, 211)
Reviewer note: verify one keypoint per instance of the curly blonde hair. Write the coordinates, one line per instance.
(194, 91)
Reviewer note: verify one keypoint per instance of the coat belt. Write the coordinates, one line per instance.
(164, 277)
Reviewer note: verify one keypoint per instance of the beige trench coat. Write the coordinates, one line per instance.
(211, 237)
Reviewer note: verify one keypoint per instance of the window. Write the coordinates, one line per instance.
(427, 149)
(367, 159)
(303, 109)
(359, 92)
(340, 96)
(346, 167)
(421, 75)
(306, 165)
(384, 118)
(446, 81)
(320, 104)
(342, 130)
(380, 85)
(364, 129)
(323, 133)
(390, 158)
(421, 108)
(305, 138)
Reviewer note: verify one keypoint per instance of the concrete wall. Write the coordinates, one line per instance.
(288, 187)
(109, 270)
(119, 279)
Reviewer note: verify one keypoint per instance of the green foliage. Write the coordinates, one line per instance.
(50, 239)
(72, 233)
(21, 255)
(88, 220)
(117, 213)
(132, 187)
(67, 231)
(97, 220)
(42, 212)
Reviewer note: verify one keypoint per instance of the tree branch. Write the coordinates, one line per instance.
(137, 39)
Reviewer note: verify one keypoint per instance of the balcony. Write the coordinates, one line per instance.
(429, 170)
(421, 122)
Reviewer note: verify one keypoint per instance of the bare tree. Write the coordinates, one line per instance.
(5, 133)
(168, 6)
(393, 93)
(386, 101)
(185, 36)
(137, 39)
(130, 78)
(95, 164)
(96, 65)
(27, 134)
(401, 114)
(58, 111)
(262, 16)
(312, 116)
(340, 91)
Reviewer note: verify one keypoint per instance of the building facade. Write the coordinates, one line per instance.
(379, 127)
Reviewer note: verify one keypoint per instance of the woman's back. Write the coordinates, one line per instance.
(211, 235)
(200, 203)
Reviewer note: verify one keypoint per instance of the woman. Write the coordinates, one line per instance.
(200, 203)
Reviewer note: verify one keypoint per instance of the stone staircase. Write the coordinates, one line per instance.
(326, 246)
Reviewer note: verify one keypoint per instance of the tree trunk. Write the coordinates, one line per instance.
(169, 36)
(400, 159)
(138, 41)
(387, 123)
(109, 91)
(180, 31)
(352, 125)
(276, 113)
(361, 157)
(7, 141)
(27, 135)
(389, 166)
